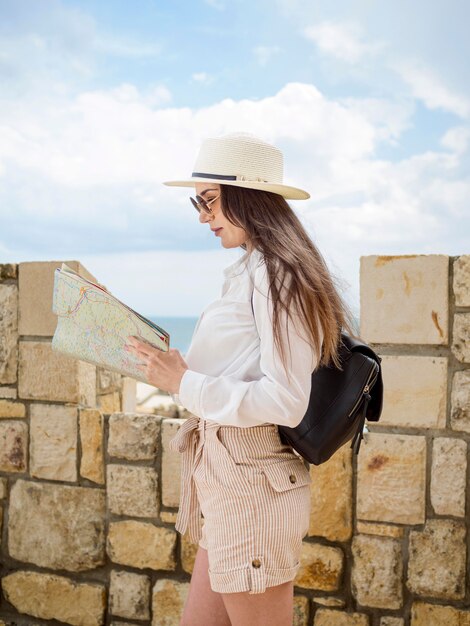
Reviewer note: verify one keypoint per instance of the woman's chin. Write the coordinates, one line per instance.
(229, 244)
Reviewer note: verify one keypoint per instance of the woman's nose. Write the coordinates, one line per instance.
(204, 217)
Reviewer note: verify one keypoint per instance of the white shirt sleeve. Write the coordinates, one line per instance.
(273, 398)
(176, 398)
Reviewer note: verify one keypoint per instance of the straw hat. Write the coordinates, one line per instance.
(242, 160)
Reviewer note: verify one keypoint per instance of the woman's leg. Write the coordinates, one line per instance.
(203, 606)
(274, 607)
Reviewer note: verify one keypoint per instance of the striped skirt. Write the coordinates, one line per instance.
(254, 496)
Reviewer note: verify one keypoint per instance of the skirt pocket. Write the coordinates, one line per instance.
(285, 478)
(287, 474)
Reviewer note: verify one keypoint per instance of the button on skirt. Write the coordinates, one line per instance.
(253, 493)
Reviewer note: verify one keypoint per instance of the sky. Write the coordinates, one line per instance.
(102, 101)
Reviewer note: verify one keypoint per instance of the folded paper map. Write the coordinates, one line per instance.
(94, 326)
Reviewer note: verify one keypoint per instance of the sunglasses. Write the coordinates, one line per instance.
(202, 205)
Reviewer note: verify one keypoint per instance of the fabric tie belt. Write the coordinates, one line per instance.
(189, 513)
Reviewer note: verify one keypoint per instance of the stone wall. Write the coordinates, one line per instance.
(89, 489)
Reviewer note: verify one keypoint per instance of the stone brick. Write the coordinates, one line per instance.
(36, 285)
(45, 374)
(132, 490)
(377, 572)
(415, 391)
(142, 545)
(330, 617)
(109, 402)
(168, 517)
(53, 442)
(8, 333)
(169, 410)
(13, 446)
(3, 488)
(91, 441)
(404, 299)
(460, 401)
(329, 601)
(52, 597)
(300, 617)
(10, 393)
(129, 395)
(462, 280)
(133, 436)
(188, 554)
(448, 476)
(388, 620)
(171, 464)
(168, 600)
(437, 556)
(424, 614)
(12, 409)
(461, 337)
(381, 530)
(8, 271)
(40, 518)
(129, 595)
(321, 567)
(331, 497)
(391, 478)
(107, 381)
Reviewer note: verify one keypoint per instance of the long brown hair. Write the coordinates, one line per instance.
(292, 259)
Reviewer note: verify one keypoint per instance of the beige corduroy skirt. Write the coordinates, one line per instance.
(254, 495)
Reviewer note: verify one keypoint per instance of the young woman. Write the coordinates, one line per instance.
(247, 371)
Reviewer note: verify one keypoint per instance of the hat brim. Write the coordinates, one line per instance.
(290, 193)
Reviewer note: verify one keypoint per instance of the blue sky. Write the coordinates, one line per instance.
(102, 101)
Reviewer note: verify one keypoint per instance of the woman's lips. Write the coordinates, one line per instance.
(216, 232)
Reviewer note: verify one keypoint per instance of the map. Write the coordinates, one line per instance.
(93, 325)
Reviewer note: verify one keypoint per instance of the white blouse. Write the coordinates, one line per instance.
(236, 376)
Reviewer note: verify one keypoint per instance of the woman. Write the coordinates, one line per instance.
(247, 371)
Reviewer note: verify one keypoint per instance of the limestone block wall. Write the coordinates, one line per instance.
(89, 490)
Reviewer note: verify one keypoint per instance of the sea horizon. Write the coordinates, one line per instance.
(181, 329)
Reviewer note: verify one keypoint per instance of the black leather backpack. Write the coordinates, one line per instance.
(340, 402)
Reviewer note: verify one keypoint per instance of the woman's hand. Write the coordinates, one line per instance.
(162, 369)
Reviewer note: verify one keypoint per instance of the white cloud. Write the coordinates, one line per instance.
(378, 54)
(427, 86)
(390, 118)
(81, 168)
(114, 137)
(264, 54)
(53, 48)
(158, 95)
(85, 174)
(216, 4)
(202, 77)
(125, 48)
(163, 282)
(457, 139)
(342, 40)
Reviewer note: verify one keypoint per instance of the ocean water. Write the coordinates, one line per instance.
(181, 330)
